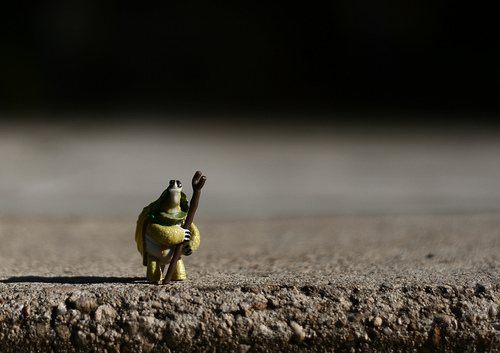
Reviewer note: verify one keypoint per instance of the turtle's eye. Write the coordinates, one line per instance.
(179, 184)
(172, 183)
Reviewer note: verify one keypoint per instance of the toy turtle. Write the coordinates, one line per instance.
(165, 224)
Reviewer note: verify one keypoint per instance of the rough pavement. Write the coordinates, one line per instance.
(315, 237)
(401, 283)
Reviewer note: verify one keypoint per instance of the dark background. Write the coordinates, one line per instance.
(378, 58)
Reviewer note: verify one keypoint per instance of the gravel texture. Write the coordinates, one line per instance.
(405, 283)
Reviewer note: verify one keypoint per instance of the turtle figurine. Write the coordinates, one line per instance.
(160, 229)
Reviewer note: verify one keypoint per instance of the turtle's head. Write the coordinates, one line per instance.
(172, 201)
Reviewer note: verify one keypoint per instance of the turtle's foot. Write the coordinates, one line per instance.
(180, 271)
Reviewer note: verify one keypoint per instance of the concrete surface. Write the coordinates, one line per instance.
(343, 283)
(254, 168)
(313, 239)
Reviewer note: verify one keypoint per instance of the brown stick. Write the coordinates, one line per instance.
(198, 182)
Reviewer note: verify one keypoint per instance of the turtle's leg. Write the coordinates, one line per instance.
(180, 271)
(154, 269)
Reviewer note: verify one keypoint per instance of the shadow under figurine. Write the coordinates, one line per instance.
(161, 235)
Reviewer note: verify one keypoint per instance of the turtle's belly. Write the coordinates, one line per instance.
(153, 247)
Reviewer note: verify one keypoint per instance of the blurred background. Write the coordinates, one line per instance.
(332, 55)
(289, 109)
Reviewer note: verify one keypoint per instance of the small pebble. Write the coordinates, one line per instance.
(298, 331)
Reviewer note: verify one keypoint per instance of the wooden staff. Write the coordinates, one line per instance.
(198, 182)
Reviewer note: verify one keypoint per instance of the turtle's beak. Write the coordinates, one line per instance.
(175, 185)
